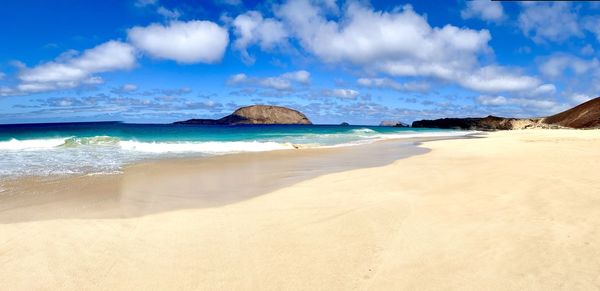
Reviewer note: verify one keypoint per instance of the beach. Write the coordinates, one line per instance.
(510, 210)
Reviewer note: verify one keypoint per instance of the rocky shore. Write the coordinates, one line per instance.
(583, 116)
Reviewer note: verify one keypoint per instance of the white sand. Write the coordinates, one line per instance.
(516, 210)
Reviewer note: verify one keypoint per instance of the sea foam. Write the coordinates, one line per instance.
(102, 154)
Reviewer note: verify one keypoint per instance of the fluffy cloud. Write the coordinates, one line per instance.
(251, 28)
(492, 100)
(298, 76)
(386, 83)
(400, 43)
(73, 69)
(341, 93)
(497, 79)
(483, 9)
(184, 42)
(283, 82)
(524, 102)
(580, 98)
(556, 65)
(549, 21)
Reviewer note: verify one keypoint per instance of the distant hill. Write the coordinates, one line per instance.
(255, 114)
(585, 115)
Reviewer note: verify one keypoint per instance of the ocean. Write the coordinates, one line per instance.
(105, 147)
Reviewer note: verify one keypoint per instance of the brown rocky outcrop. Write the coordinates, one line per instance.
(256, 114)
(585, 115)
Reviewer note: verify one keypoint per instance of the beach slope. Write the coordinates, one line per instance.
(515, 210)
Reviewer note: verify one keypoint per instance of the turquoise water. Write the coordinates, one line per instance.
(104, 147)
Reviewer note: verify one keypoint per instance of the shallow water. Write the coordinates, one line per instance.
(105, 147)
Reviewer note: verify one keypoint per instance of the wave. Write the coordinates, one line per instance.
(309, 140)
(31, 144)
(95, 140)
(363, 131)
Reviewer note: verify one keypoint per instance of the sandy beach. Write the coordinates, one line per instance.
(512, 210)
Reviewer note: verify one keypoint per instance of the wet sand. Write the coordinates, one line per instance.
(172, 184)
(516, 210)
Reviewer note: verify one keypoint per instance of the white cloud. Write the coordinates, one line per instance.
(72, 69)
(497, 79)
(590, 23)
(283, 82)
(2, 75)
(587, 50)
(492, 100)
(184, 42)
(341, 93)
(276, 83)
(238, 79)
(556, 65)
(386, 83)
(301, 76)
(546, 89)
(143, 3)
(251, 28)
(168, 13)
(129, 87)
(523, 102)
(549, 21)
(580, 98)
(483, 9)
(400, 43)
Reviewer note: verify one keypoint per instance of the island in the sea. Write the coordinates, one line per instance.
(256, 114)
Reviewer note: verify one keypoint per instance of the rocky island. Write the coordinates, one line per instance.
(393, 123)
(582, 116)
(256, 114)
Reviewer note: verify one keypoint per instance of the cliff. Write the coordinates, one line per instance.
(255, 114)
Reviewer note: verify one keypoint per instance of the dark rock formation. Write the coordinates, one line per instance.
(585, 115)
(344, 124)
(485, 123)
(256, 114)
(393, 123)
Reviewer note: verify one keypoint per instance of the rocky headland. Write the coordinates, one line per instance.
(583, 116)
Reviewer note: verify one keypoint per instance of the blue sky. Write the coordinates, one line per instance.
(355, 61)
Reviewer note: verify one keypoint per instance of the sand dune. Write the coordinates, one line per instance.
(517, 210)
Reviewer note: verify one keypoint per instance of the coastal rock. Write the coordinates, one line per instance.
(485, 123)
(393, 123)
(585, 115)
(344, 124)
(256, 114)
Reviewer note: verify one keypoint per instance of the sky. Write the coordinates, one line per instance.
(159, 61)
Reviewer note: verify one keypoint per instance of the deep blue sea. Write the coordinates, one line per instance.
(104, 147)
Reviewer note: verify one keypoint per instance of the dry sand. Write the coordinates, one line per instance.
(516, 210)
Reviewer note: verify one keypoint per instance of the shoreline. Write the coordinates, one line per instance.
(221, 180)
